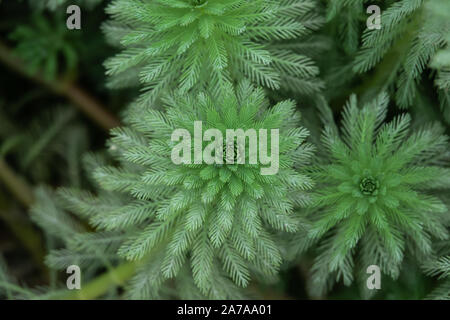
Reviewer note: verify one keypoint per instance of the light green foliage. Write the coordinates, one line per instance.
(374, 201)
(220, 217)
(441, 268)
(76, 246)
(410, 36)
(188, 44)
(346, 16)
(43, 42)
(441, 61)
(90, 251)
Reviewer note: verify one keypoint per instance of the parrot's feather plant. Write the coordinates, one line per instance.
(398, 54)
(356, 186)
(440, 267)
(374, 202)
(42, 43)
(411, 34)
(189, 43)
(220, 216)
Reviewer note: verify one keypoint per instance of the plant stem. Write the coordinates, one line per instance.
(101, 284)
(87, 104)
(18, 187)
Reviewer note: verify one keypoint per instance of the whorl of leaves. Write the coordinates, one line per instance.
(221, 217)
(374, 201)
(188, 44)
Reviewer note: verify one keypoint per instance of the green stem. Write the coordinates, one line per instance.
(87, 104)
(100, 285)
(18, 187)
